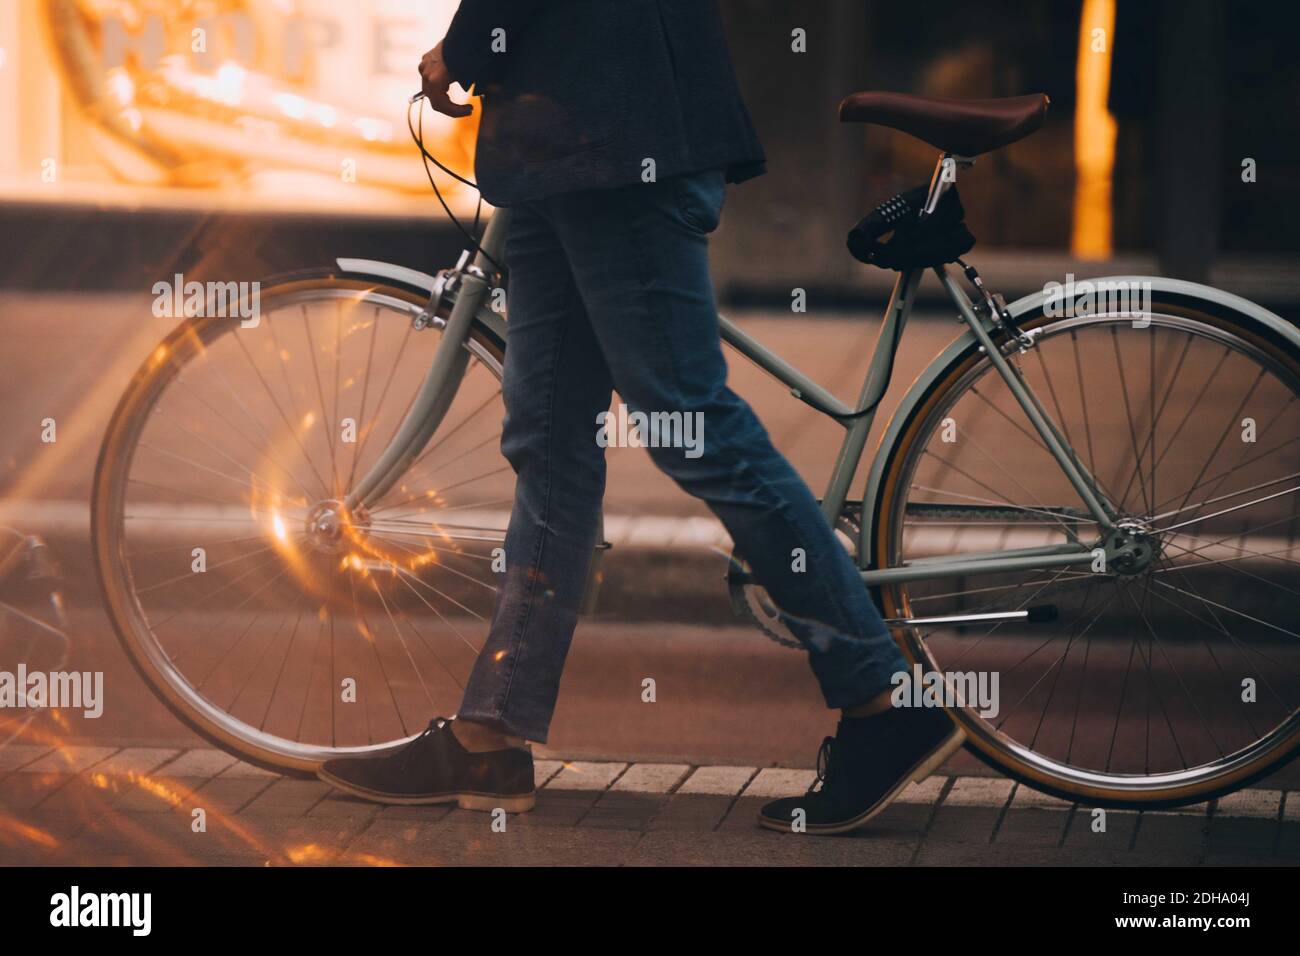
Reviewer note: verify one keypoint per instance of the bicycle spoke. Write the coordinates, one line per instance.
(365, 395)
(1128, 413)
(1225, 511)
(331, 423)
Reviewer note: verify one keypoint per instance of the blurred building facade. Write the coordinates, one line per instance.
(1196, 89)
(114, 120)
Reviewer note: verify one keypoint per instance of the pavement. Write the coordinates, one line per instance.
(139, 806)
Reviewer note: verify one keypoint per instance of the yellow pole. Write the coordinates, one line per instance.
(1094, 133)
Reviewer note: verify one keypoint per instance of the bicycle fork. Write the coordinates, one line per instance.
(471, 283)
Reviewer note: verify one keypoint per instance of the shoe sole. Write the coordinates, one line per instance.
(517, 803)
(927, 765)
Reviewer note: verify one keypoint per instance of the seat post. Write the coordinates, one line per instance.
(938, 184)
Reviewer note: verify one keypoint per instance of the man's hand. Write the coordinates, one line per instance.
(435, 81)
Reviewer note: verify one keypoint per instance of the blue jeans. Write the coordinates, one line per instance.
(610, 289)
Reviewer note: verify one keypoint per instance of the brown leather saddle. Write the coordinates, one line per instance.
(961, 127)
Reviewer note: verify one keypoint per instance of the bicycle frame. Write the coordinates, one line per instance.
(471, 282)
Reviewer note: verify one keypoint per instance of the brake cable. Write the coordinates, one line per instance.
(417, 134)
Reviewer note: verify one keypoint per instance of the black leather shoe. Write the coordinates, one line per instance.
(865, 766)
(435, 768)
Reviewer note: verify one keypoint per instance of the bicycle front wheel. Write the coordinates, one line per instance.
(1173, 675)
(267, 614)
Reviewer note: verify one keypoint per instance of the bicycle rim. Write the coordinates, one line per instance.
(1100, 705)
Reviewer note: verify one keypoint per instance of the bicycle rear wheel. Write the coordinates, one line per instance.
(1167, 680)
(265, 614)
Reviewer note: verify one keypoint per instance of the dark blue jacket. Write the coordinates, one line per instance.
(577, 94)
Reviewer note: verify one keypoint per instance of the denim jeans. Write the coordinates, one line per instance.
(610, 290)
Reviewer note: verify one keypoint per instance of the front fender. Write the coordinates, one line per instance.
(1031, 305)
(389, 272)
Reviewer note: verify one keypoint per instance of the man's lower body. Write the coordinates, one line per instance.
(610, 291)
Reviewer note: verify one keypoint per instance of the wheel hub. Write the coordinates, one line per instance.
(1131, 547)
(329, 522)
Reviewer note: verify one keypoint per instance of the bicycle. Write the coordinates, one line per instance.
(1054, 502)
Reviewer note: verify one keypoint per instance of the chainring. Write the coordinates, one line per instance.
(750, 600)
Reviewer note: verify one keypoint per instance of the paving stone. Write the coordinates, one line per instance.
(170, 838)
(963, 824)
(939, 853)
(902, 819)
(926, 791)
(134, 760)
(70, 809)
(1227, 834)
(1291, 806)
(766, 848)
(1027, 797)
(113, 848)
(584, 775)
(719, 781)
(544, 770)
(1263, 804)
(69, 760)
(201, 763)
(774, 782)
(17, 755)
(281, 841)
(1160, 832)
(229, 794)
(651, 777)
(155, 795)
(241, 769)
(1117, 837)
(245, 841)
(153, 839)
(691, 811)
(1166, 857)
(288, 797)
(307, 844)
(743, 814)
(559, 808)
(1033, 826)
(21, 791)
(470, 841)
(979, 792)
(1195, 810)
(25, 841)
(527, 846)
(624, 811)
(1288, 839)
(1241, 857)
(339, 804)
(420, 814)
(387, 842)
